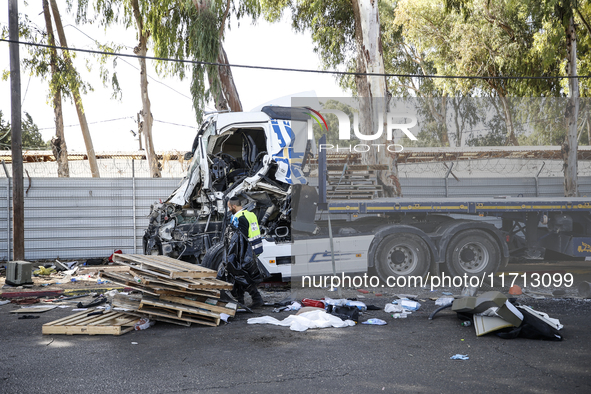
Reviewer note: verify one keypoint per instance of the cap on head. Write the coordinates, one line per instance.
(235, 201)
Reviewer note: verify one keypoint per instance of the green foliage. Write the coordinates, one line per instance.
(332, 135)
(495, 38)
(178, 29)
(31, 137)
(38, 62)
(182, 31)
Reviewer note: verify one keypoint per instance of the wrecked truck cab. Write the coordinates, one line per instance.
(257, 156)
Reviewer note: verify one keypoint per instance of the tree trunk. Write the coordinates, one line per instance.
(589, 126)
(372, 91)
(440, 116)
(570, 145)
(220, 102)
(229, 90)
(223, 88)
(58, 143)
(511, 138)
(142, 50)
(76, 92)
(459, 129)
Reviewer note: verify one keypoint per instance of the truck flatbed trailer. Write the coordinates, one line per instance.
(472, 205)
(458, 236)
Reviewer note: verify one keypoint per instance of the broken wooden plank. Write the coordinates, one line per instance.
(183, 293)
(35, 309)
(219, 307)
(128, 281)
(101, 268)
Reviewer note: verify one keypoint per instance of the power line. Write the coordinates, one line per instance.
(175, 124)
(26, 90)
(128, 63)
(116, 119)
(98, 121)
(199, 62)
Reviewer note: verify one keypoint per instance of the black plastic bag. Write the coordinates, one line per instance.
(344, 312)
(531, 328)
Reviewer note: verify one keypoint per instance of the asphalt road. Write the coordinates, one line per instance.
(407, 355)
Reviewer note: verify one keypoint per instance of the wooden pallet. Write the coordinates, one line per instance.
(132, 305)
(164, 266)
(209, 284)
(155, 287)
(109, 323)
(179, 312)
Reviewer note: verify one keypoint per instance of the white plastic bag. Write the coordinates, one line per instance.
(444, 301)
(392, 308)
(312, 319)
(143, 324)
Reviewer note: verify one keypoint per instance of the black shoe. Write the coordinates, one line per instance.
(257, 301)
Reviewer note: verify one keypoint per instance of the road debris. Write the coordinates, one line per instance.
(515, 290)
(85, 322)
(173, 291)
(492, 312)
(459, 357)
(444, 301)
(34, 309)
(305, 321)
(393, 308)
(375, 322)
(143, 324)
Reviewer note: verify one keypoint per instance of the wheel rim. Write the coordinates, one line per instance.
(402, 259)
(473, 257)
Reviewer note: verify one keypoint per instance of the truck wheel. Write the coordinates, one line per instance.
(472, 252)
(402, 255)
(213, 257)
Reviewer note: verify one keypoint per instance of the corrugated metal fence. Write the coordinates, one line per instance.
(73, 218)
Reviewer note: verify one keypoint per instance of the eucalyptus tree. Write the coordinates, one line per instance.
(491, 39)
(128, 13)
(58, 143)
(195, 30)
(75, 89)
(347, 35)
(63, 79)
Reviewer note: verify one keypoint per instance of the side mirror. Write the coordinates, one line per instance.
(188, 155)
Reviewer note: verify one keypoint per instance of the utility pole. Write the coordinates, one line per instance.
(18, 208)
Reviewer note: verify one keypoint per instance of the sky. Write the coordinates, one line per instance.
(275, 45)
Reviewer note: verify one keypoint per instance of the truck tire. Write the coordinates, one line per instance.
(402, 254)
(213, 257)
(472, 252)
